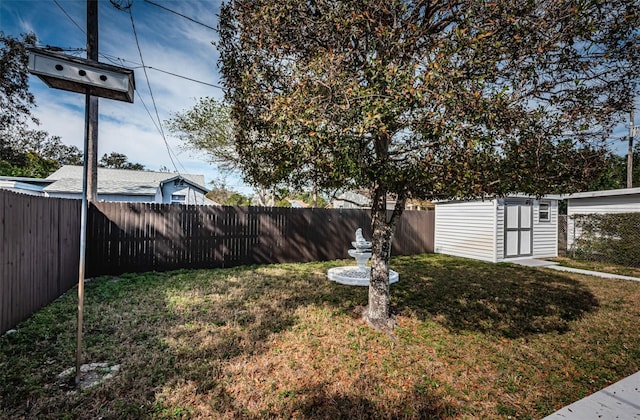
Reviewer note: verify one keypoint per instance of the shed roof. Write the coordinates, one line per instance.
(605, 193)
(493, 197)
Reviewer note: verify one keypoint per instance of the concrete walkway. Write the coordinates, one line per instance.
(618, 401)
(530, 262)
(592, 273)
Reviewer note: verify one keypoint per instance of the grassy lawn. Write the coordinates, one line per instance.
(604, 267)
(475, 340)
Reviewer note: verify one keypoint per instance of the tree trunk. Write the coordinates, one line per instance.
(378, 313)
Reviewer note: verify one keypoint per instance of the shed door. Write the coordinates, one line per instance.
(518, 230)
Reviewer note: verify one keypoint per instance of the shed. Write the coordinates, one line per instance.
(498, 229)
(625, 200)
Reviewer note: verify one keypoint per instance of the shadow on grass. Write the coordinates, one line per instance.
(500, 299)
(317, 403)
(177, 333)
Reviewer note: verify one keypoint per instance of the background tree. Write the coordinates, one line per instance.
(34, 153)
(15, 99)
(25, 151)
(426, 99)
(222, 195)
(207, 127)
(116, 160)
(614, 175)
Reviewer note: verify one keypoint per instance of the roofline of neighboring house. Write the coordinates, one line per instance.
(604, 193)
(20, 186)
(187, 180)
(26, 180)
(101, 193)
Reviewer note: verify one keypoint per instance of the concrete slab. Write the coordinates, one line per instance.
(532, 262)
(618, 401)
(592, 273)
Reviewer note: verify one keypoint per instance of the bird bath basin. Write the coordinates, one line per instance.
(359, 274)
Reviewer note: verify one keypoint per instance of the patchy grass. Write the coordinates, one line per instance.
(474, 340)
(604, 267)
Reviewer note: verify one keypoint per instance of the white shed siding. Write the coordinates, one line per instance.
(623, 203)
(601, 205)
(545, 234)
(466, 229)
(499, 231)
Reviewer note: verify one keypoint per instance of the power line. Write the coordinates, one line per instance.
(121, 61)
(135, 34)
(160, 131)
(181, 15)
(69, 16)
(185, 77)
(148, 112)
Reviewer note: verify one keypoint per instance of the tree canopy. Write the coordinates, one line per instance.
(426, 99)
(116, 160)
(25, 151)
(207, 127)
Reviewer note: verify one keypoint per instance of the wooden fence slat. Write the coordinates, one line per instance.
(40, 241)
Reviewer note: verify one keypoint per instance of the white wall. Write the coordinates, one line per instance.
(545, 234)
(475, 229)
(624, 203)
(126, 198)
(600, 205)
(191, 195)
(466, 229)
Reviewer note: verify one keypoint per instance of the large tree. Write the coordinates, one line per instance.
(426, 99)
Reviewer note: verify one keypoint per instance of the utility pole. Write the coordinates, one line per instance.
(91, 109)
(632, 133)
(89, 171)
(93, 79)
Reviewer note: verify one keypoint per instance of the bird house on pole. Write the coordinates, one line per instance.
(80, 75)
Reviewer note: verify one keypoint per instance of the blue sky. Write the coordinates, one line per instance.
(168, 42)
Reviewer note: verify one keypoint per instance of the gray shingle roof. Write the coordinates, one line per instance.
(115, 181)
(68, 185)
(144, 177)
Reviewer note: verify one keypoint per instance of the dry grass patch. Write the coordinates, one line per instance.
(474, 340)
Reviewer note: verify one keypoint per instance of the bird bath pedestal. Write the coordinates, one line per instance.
(357, 275)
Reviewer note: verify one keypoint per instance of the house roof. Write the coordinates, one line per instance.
(118, 181)
(105, 186)
(26, 180)
(187, 180)
(605, 193)
(354, 198)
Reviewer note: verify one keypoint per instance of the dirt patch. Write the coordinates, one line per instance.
(91, 374)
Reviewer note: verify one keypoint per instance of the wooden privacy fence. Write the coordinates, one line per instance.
(138, 237)
(40, 241)
(39, 251)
